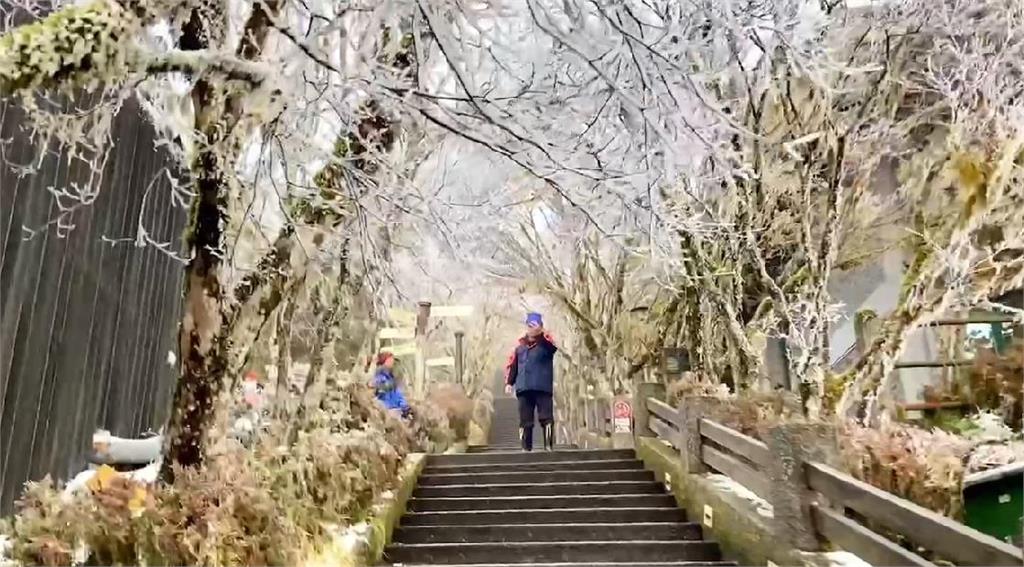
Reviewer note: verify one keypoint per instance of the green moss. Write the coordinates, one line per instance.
(864, 316)
(835, 385)
(387, 516)
(797, 279)
(75, 47)
(922, 251)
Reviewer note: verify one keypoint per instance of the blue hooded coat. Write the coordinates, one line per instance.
(387, 390)
(531, 365)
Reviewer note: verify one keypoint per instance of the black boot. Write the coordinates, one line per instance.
(549, 437)
(526, 438)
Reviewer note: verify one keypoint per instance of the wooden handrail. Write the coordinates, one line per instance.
(947, 538)
(866, 544)
(736, 470)
(743, 459)
(934, 364)
(665, 431)
(921, 406)
(976, 320)
(663, 411)
(743, 445)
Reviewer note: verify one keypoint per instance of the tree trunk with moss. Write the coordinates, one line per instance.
(204, 346)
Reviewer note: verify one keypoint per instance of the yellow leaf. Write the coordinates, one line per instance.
(138, 501)
(102, 479)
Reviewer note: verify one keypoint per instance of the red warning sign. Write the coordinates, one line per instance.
(622, 410)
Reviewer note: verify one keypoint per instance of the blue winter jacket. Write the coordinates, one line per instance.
(387, 390)
(531, 366)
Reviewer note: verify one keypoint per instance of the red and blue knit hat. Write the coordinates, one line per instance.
(534, 320)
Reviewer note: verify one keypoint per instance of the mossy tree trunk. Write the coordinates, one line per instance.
(203, 344)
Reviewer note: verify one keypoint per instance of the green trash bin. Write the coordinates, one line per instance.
(994, 502)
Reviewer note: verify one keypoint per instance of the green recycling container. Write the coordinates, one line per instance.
(994, 502)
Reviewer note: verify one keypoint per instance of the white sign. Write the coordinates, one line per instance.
(451, 311)
(400, 350)
(442, 361)
(622, 416)
(402, 317)
(392, 333)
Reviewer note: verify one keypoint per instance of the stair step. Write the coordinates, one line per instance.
(664, 531)
(536, 477)
(515, 448)
(534, 457)
(593, 564)
(542, 502)
(619, 464)
(534, 552)
(564, 516)
(551, 489)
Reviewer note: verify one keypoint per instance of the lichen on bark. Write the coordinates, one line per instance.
(78, 46)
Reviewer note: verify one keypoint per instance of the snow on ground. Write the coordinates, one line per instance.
(844, 559)
(727, 484)
(146, 475)
(5, 549)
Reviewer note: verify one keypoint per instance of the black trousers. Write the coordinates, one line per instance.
(535, 401)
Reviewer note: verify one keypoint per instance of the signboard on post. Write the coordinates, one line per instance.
(451, 311)
(441, 361)
(403, 349)
(399, 333)
(674, 361)
(402, 317)
(622, 416)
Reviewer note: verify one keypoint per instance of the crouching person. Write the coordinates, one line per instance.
(386, 387)
(531, 373)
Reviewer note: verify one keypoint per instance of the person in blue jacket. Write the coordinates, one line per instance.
(531, 373)
(386, 387)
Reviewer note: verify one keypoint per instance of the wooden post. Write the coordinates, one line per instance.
(793, 445)
(641, 415)
(422, 318)
(691, 411)
(419, 372)
(459, 368)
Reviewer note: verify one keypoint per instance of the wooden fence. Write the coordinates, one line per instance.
(843, 511)
(85, 326)
(583, 414)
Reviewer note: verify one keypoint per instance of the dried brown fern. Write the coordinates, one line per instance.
(271, 504)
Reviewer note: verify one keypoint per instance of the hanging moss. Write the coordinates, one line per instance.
(74, 47)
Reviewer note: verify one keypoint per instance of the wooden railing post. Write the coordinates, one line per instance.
(604, 417)
(641, 415)
(691, 411)
(791, 446)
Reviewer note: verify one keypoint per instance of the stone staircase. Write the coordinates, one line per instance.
(568, 507)
(504, 434)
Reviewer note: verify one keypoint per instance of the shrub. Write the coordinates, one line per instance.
(458, 408)
(272, 504)
(748, 413)
(996, 382)
(429, 425)
(694, 384)
(925, 467)
(483, 408)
